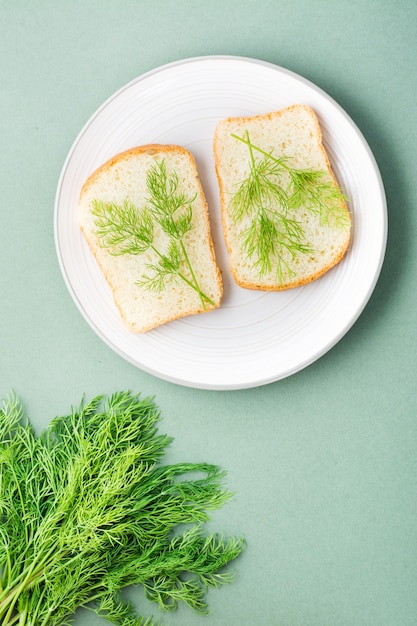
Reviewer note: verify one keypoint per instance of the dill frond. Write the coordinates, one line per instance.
(271, 196)
(126, 229)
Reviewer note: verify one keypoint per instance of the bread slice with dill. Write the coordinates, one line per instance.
(285, 219)
(145, 218)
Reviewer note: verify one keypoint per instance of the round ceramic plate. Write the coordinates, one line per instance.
(255, 337)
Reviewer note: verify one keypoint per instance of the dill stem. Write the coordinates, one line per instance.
(10, 589)
(14, 620)
(247, 141)
(46, 620)
(34, 616)
(194, 285)
(195, 282)
(30, 575)
(252, 147)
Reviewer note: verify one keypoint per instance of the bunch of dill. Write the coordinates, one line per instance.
(86, 509)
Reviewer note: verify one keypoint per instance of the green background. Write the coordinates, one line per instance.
(324, 463)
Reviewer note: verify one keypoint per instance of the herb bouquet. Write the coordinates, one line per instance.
(87, 509)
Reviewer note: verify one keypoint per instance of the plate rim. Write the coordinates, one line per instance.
(332, 342)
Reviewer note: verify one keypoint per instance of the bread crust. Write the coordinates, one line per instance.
(105, 171)
(274, 116)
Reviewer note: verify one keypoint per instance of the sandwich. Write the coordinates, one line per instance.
(145, 218)
(285, 218)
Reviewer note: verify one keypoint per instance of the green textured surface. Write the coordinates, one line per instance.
(323, 464)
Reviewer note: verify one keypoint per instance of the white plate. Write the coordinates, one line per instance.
(255, 337)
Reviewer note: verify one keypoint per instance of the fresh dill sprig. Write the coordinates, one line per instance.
(269, 236)
(125, 229)
(87, 509)
(318, 195)
(270, 197)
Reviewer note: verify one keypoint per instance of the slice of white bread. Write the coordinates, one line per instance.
(293, 133)
(124, 178)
